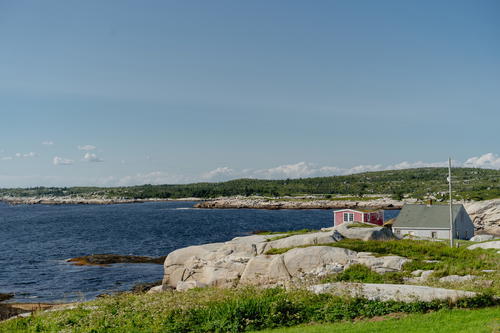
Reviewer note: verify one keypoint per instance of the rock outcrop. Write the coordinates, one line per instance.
(243, 260)
(485, 215)
(386, 292)
(482, 238)
(457, 278)
(486, 245)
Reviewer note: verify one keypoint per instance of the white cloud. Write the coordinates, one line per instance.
(47, 143)
(25, 155)
(62, 161)
(218, 174)
(488, 160)
(305, 169)
(7, 158)
(90, 157)
(87, 147)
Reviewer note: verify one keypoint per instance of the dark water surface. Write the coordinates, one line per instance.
(35, 240)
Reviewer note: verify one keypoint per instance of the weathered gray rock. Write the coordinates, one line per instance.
(305, 260)
(381, 264)
(487, 245)
(155, 290)
(374, 233)
(482, 238)
(242, 260)
(419, 276)
(485, 215)
(315, 238)
(386, 292)
(457, 278)
(265, 270)
(186, 285)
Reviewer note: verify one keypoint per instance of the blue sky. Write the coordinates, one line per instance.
(181, 91)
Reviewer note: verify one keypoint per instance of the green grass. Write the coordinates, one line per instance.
(220, 310)
(362, 273)
(446, 321)
(292, 233)
(360, 225)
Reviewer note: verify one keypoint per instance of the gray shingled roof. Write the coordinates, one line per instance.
(425, 216)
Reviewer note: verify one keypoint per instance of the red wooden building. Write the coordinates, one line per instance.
(374, 216)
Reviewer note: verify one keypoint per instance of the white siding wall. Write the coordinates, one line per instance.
(441, 234)
(464, 229)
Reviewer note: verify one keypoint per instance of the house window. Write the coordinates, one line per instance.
(348, 217)
(398, 232)
(434, 234)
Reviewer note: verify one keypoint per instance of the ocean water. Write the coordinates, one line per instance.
(36, 240)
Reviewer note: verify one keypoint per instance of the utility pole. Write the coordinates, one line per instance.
(451, 210)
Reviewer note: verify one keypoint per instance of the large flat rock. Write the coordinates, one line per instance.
(386, 292)
(487, 245)
(243, 260)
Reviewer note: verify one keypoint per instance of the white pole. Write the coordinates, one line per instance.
(451, 211)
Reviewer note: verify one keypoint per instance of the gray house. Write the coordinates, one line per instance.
(433, 221)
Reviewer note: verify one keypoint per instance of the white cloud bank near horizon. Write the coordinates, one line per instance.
(296, 170)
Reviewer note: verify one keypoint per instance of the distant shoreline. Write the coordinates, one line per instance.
(82, 201)
(236, 202)
(297, 203)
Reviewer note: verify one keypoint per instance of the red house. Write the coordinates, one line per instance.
(374, 216)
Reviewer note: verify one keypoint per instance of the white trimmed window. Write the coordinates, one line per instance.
(348, 217)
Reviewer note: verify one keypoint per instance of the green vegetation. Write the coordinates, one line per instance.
(216, 310)
(448, 261)
(469, 183)
(362, 273)
(445, 321)
(290, 233)
(360, 225)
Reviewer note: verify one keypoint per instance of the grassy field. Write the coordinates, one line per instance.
(447, 321)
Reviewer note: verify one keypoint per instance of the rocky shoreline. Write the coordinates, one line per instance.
(66, 200)
(484, 214)
(267, 203)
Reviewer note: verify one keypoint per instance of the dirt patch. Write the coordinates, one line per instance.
(395, 315)
(8, 310)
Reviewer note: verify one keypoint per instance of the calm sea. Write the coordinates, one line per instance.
(35, 240)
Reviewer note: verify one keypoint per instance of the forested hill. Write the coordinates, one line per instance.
(468, 183)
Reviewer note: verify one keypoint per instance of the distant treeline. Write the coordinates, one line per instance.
(468, 183)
